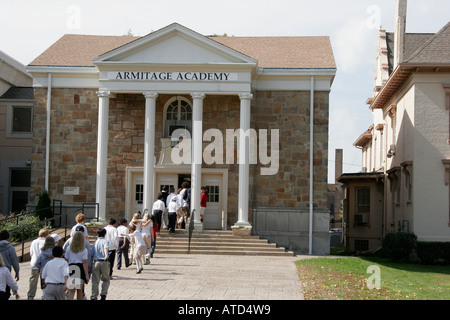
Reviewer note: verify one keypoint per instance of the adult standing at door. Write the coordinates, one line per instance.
(203, 201)
(185, 199)
(158, 209)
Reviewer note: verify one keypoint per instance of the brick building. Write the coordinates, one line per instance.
(129, 116)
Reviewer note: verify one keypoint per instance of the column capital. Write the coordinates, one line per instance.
(150, 94)
(103, 93)
(198, 95)
(245, 96)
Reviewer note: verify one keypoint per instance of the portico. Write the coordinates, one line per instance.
(132, 115)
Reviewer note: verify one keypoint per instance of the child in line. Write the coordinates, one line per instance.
(55, 275)
(139, 247)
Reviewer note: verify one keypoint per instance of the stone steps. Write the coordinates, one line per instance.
(216, 242)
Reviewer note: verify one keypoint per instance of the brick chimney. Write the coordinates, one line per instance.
(399, 32)
(338, 164)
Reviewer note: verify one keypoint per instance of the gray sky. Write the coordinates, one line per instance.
(28, 27)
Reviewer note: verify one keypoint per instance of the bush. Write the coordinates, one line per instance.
(399, 246)
(433, 252)
(43, 208)
(23, 219)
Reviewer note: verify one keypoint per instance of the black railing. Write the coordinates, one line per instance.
(52, 222)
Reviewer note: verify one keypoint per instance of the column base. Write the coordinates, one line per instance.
(243, 229)
(198, 226)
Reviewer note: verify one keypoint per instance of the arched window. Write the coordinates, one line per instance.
(177, 115)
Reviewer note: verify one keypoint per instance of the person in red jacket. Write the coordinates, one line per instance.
(203, 201)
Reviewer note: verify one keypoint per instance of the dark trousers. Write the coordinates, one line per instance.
(111, 258)
(172, 221)
(158, 215)
(123, 252)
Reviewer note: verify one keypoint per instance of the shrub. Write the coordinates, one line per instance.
(23, 219)
(43, 208)
(399, 246)
(433, 252)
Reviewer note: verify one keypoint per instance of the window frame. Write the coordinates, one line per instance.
(10, 106)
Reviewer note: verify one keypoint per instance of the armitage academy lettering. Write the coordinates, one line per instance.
(172, 76)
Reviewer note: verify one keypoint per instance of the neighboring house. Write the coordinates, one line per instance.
(16, 115)
(120, 106)
(404, 184)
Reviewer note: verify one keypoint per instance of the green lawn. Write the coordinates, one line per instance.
(347, 278)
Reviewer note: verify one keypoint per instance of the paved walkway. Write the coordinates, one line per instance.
(199, 277)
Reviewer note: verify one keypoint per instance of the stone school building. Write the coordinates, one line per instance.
(118, 118)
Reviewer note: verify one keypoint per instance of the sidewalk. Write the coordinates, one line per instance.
(199, 277)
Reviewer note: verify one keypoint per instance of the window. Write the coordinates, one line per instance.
(361, 245)
(177, 115)
(19, 121)
(139, 195)
(363, 200)
(213, 193)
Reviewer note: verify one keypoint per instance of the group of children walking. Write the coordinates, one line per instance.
(64, 270)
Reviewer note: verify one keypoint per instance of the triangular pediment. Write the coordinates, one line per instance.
(174, 44)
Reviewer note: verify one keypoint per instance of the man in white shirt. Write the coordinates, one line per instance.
(173, 210)
(124, 244)
(35, 250)
(112, 236)
(55, 275)
(158, 209)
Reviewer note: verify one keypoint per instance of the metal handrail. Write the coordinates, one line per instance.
(45, 221)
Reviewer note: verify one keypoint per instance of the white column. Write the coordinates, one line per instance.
(244, 160)
(102, 153)
(197, 157)
(149, 148)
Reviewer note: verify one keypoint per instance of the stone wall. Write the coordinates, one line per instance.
(74, 145)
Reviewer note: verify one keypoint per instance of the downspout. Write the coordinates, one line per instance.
(47, 142)
(311, 167)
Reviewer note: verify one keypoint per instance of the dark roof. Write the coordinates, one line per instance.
(360, 175)
(18, 93)
(413, 41)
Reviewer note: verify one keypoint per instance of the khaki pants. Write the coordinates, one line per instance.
(34, 279)
(100, 271)
(54, 292)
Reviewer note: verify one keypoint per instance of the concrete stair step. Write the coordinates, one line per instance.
(216, 242)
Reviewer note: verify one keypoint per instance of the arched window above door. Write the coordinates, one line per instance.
(177, 115)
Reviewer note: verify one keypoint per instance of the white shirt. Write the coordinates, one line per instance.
(6, 279)
(184, 203)
(173, 206)
(76, 257)
(146, 229)
(169, 199)
(35, 250)
(122, 230)
(112, 236)
(138, 240)
(55, 270)
(159, 205)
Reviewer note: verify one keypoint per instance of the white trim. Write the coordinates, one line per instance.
(130, 171)
(171, 30)
(10, 104)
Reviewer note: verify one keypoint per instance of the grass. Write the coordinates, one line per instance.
(346, 278)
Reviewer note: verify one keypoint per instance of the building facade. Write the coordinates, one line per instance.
(120, 118)
(407, 146)
(16, 114)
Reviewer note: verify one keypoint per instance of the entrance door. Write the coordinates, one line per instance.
(213, 213)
